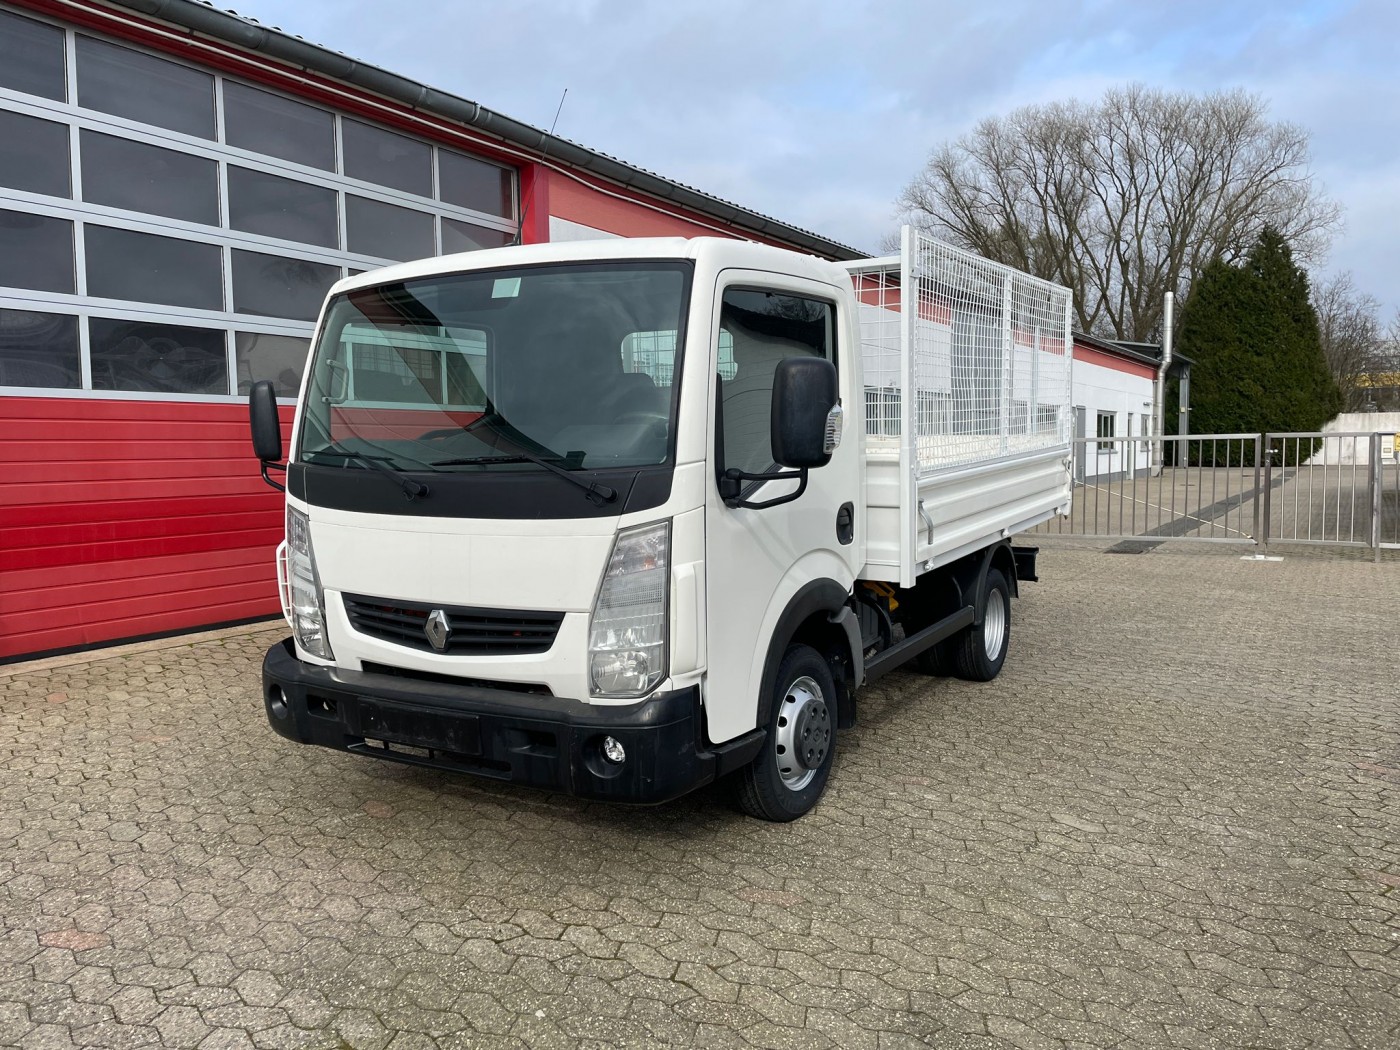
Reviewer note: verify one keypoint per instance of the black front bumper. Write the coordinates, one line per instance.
(544, 741)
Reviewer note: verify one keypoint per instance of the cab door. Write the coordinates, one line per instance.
(757, 559)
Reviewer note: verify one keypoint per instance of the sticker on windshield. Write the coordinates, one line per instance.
(506, 288)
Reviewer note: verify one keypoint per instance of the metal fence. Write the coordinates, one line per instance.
(1253, 489)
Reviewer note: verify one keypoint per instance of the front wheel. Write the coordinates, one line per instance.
(790, 773)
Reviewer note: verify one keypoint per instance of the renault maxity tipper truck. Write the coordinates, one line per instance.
(618, 518)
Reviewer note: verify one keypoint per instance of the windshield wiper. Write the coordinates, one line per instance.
(596, 493)
(412, 488)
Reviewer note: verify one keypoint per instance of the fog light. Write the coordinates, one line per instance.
(277, 701)
(613, 750)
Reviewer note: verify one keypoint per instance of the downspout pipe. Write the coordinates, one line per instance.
(1159, 393)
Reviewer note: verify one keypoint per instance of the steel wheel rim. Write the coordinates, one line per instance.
(994, 624)
(803, 735)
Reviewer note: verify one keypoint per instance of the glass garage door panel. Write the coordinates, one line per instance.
(386, 230)
(277, 126)
(145, 88)
(157, 358)
(143, 267)
(285, 208)
(39, 350)
(36, 252)
(279, 358)
(34, 155)
(31, 57)
(278, 286)
(121, 173)
(387, 158)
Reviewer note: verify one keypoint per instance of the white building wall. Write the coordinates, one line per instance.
(1097, 388)
(1358, 450)
(568, 230)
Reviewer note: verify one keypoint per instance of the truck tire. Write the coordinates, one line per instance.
(979, 651)
(937, 662)
(790, 773)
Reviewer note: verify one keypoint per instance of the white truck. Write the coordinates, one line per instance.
(619, 518)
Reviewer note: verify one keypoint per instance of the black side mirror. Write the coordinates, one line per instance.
(262, 417)
(804, 394)
(266, 427)
(804, 429)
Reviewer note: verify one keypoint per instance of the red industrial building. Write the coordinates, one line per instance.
(178, 188)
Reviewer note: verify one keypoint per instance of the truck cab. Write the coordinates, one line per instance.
(592, 517)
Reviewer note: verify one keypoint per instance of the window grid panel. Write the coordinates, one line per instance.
(261, 199)
(165, 227)
(109, 70)
(23, 23)
(165, 138)
(70, 65)
(17, 300)
(287, 127)
(83, 307)
(149, 180)
(84, 311)
(32, 144)
(40, 349)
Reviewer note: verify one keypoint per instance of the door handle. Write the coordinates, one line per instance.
(846, 523)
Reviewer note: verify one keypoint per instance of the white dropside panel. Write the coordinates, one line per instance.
(968, 403)
(959, 511)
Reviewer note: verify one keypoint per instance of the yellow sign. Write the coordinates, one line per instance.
(1390, 443)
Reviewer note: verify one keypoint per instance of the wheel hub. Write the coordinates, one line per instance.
(804, 733)
(994, 625)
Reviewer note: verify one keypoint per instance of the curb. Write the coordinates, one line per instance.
(133, 648)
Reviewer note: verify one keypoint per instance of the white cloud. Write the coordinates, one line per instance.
(819, 112)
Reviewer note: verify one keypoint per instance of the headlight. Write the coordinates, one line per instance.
(304, 585)
(627, 636)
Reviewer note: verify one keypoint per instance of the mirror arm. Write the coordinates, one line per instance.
(729, 487)
(266, 466)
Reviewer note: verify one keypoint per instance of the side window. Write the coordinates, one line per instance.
(757, 330)
(1107, 427)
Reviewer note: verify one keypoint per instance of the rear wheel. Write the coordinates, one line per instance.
(790, 773)
(979, 651)
(937, 660)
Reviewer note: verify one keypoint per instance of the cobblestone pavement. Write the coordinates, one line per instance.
(1173, 821)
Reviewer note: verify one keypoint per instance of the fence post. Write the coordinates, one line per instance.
(1080, 433)
(1375, 474)
(1268, 453)
(1258, 493)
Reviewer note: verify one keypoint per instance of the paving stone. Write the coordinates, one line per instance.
(1169, 823)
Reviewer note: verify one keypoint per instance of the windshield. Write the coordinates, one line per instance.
(537, 368)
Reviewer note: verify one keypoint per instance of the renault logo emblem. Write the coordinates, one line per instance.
(437, 629)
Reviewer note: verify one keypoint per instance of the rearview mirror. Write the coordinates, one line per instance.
(804, 396)
(262, 417)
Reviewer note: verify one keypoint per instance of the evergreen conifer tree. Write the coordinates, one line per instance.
(1253, 334)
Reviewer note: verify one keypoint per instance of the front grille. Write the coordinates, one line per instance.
(474, 632)
(451, 679)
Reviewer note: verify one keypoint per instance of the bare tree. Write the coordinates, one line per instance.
(1353, 339)
(1383, 380)
(1126, 198)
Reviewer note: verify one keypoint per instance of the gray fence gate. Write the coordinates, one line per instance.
(1250, 489)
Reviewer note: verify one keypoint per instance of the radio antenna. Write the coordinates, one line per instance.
(544, 155)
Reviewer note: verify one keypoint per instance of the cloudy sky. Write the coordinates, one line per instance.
(819, 111)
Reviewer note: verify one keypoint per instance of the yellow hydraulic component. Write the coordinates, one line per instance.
(884, 590)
